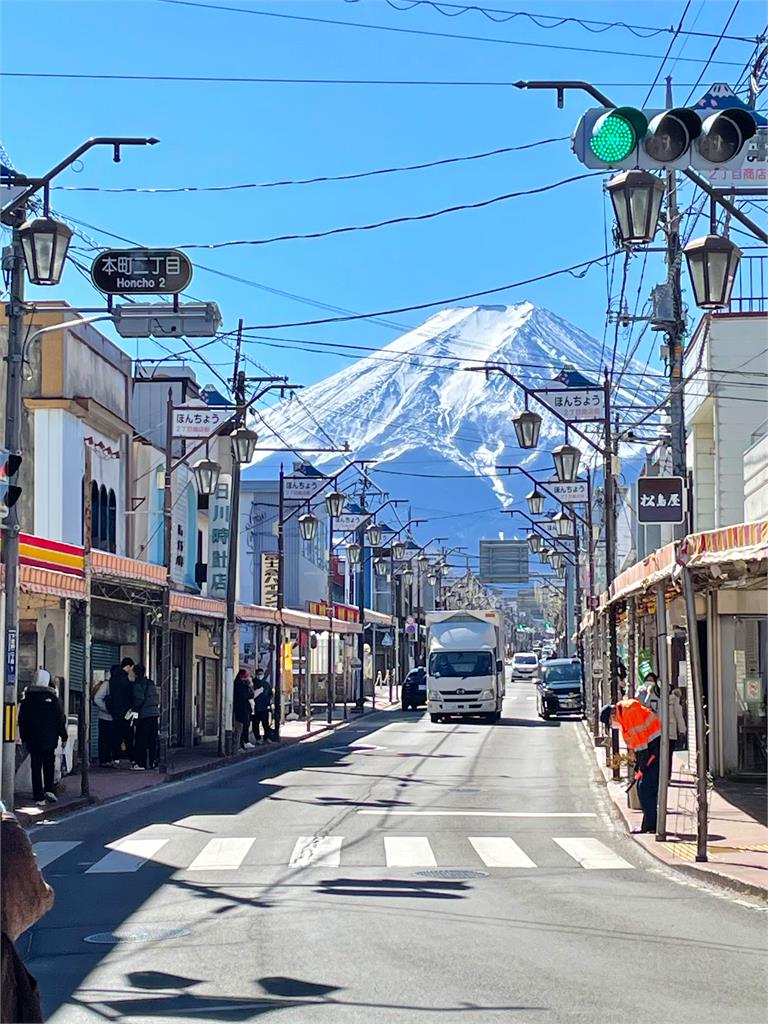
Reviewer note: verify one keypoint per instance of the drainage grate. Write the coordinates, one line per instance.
(150, 934)
(452, 873)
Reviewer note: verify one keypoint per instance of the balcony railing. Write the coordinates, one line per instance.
(750, 289)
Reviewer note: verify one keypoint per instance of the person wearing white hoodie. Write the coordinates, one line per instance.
(42, 723)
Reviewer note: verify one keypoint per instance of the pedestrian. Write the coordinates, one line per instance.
(42, 723)
(102, 701)
(25, 897)
(146, 706)
(121, 696)
(262, 700)
(677, 724)
(649, 692)
(241, 711)
(641, 731)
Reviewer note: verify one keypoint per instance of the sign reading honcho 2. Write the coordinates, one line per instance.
(141, 271)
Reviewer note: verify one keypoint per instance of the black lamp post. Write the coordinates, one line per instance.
(535, 502)
(564, 524)
(398, 550)
(380, 566)
(566, 459)
(534, 542)
(527, 427)
(207, 473)
(243, 444)
(636, 198)
(373, 535)
(334, 503)
(712, 265)
(353, 553)
(45, 242)
(308, 526)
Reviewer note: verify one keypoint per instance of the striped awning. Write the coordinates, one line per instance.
(746, 542)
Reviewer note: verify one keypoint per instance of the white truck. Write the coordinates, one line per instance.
(465, 664)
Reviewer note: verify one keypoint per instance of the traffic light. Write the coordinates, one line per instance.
(9, 493)
(625, 138)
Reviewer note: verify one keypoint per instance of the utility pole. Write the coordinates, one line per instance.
(238, 392)
(281, 602)
(85, 717)
(165, 621)
(15, 314)
(360, 595)
(676, 329)
(610, 563)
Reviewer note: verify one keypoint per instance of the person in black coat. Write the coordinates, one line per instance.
(262, 689)
(241, 710)
(145, 705)
(120, 701)
(42, 723)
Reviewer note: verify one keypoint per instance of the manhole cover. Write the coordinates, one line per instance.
(454, 873)
(136, 935)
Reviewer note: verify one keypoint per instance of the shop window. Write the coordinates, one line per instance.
(95, 518)
(751, 676)
(103, 518)
(112, 522)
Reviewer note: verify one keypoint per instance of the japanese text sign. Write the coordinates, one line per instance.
(575, 491)
(349, 522)
(301, 488)
(219, 526)
(270, 569)
(141, 271)
(198, 421)
(660, 499)
(574, 403)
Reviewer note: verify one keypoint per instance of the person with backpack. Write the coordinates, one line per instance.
(145, 707)
(102, 702)
(42, 723)
(262, 701)
(121, 696)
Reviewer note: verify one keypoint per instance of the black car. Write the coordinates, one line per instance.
(560, 690)
(414, 690)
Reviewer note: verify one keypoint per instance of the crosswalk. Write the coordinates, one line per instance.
(231, 854)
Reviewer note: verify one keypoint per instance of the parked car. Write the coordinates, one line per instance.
(414, 691)
(525, 665)
(561, 689)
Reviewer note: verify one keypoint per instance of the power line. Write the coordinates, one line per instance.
(590, 25)
(713, 52)
(324, 178)
(424, 32)
(669, 50)
(408, 219)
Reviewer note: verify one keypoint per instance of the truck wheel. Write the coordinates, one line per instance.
(490, 716)
(434, 718)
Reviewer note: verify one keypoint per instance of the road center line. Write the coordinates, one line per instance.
(481, 814)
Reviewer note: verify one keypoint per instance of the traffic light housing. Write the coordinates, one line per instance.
(625, 138)
(9, 493)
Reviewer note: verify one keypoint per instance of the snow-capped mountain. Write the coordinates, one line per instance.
(436, 431)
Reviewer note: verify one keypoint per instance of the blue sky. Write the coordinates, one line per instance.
(225, 134)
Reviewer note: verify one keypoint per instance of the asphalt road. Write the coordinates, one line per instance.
(396, 871)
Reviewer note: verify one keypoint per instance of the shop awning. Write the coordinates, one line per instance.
(190, 604)
(54, 584)
(746, 542)
(116, 566)
(319, 623)
(373, 618)
(256, 613)
(639, 577)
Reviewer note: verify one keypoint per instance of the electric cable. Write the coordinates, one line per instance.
(714, 50)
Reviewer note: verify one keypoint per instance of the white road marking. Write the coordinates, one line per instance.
(221, 855)
(481, 814)
(320, 851)
(592, 854)
(126, 855)
(47, 853)
(500, 852)
(409, 852)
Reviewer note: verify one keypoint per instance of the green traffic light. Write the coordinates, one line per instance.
(613, 138)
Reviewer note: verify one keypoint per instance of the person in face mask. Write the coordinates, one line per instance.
(42, 723)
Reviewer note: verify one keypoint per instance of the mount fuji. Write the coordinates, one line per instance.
(437, 432)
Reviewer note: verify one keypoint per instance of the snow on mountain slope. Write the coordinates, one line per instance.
(414, 408)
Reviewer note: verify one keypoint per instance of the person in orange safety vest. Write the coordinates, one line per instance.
(641, 730)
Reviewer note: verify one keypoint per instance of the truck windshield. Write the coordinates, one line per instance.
(461, 664)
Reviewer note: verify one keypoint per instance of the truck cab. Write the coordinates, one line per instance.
(465, 667)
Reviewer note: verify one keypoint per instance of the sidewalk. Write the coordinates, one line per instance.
(737, 843)
(109, 783)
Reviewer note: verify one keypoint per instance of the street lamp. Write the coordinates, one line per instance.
(712, 265)
(207, 473)
(527, 427)
(45, 242)
(636, 197)
(398, 550)
(423, 559)
(560, 570)
(535, 502)
(408, 577)
(308, 526)
(334, 503)
(243, 444)
(432, 578)
(534, 542)
(566, 459)
(556, 560)
(373, 535)
(380, 566)
(353, 554)
(563, 521)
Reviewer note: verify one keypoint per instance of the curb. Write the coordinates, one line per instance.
(690, 871)
(263, 751)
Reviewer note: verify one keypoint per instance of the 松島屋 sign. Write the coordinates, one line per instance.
(190, 421)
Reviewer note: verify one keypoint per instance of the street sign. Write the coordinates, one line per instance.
(219, 522)
(141, 271)
(550, 527)
(199, 420)
(576, 491)
(349, 523)
(660, 499)
(503, 561)
(301, 488)
(410, 626)
(270, 575)
(574, 403)
(387, 640)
